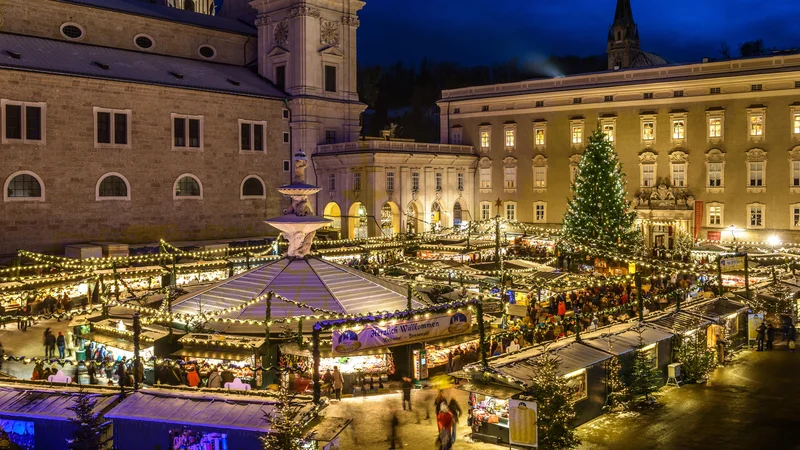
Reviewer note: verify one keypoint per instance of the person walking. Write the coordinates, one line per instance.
(445, 421)
(770, 336)
(395, 422)
(407, 386)
(61, 343)
(327, 382)
(438, 402)
(760, 334)
(49, 344)
(338, 382)
(455, 411)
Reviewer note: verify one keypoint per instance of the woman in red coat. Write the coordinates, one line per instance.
(562, 308)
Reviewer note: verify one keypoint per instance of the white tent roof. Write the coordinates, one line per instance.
(623, 338)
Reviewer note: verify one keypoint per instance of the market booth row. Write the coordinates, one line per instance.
(626, 339)
(729, 320)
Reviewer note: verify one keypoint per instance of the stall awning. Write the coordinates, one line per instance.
(113, 341)
(291, 348)
(204, 353)
(491, 390)
(681, 322)
(623, 338)
(207, 410)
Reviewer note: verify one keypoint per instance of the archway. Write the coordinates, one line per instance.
(358, 221)
(413, 221)
(437, 219)
(457, 214)
(334, 213)
(390, 219)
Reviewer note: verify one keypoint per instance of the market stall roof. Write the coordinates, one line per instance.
(520, 365)
(325, 351)
(717, 308)
(204, 353)
(110, 341)
(623, 338)
(311, 281)
(227, 411)
(38, 403)
(490, 390)
(680, 321)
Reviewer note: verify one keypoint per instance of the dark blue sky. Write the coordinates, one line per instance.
(484, 31)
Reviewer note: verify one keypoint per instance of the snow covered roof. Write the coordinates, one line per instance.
(40, 403)
(623, 338)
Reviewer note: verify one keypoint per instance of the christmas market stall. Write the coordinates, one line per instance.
(625, 339)
(729, 320)
(685, 324)
(240, 354)
(169, 420)
(36, 417)
(114, 337)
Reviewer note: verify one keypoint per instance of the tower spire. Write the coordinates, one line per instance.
(623, 17)
(623, 38)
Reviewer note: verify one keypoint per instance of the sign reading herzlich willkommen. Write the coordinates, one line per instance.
(401, 332)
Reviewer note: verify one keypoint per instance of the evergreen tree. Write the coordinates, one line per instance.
(554, 400)
(683, 244)
(287, 424)
(87, 432)
(598, 212)
(645, 376)
(618, 393)
(697, 360)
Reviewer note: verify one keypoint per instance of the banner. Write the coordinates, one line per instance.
(753, 322)
(522, 423)
(714, 236)
(517, 310)
(401, 332)
(732, 263)
(698, 217)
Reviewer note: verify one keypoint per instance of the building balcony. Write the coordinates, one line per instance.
(371, 146)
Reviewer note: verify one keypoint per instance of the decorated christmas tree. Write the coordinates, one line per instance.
(87, 432)
(697, 360)
(598, 213)
(554, 400)
(617, 397)
(645, 376)
(287, 423)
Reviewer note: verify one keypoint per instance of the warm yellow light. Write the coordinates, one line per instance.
(576, 373)
(773, 240)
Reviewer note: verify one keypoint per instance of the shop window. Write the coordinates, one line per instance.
(577, 384)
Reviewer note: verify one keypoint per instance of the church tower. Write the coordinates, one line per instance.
(623, 38)
(308, 49)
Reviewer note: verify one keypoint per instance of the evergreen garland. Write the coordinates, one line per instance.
(554, 401)
(598, 212)
(88, 428)
(645, 377)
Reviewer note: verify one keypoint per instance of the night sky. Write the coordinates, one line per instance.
(484, 31)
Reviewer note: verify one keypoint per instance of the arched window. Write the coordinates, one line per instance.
(24, 186)
(113, 186)
(457, 214)
(188, 186)
(253, 187)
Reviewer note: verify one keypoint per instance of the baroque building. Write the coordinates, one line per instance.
(130, 121)
(711, 149)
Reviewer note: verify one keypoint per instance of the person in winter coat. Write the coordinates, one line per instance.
(327, 382)
(192, 378)
(770, 336)
(562, 309)
(61, 343)
(438, 402)
(49, 344)
(407, 387)
(227, 376)
(38, 370)
(761, 334)
(122, 373)
(214, 378)
(70, 344)
(445, 421)
(338, 382)
(91, 370)
(455, 410)
(174, 378)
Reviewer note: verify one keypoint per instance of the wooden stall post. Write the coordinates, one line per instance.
(639, 302)
(315, 355)
(266, 361)
(137, 332)
(481, 335)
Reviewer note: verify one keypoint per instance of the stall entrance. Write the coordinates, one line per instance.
(413, 219)
(436, 217)
(390, 219)
(334, 213)
(358, 226)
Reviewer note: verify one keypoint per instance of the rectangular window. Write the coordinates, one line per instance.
(285, 113)
(577, 100)
(187, 132)
(23, 121)
(539, 177)
(486, 178)
(456, 110)
(485, 108)
(438, 178)
(714, 215)
(460, 181)
(332, 182)
(485, 140)
(330, 78)
(678, 129)
(252, 135)
(648, 175)
(511, 211)
(510, 138)
(577, 134)
(280, 77)
(390, 181)
(796, 173)
(287, 165)
(539, 136)
(716, 90)
(677, 93)
(796, 217)
(715, 174)
(455, 136)
(539, 212)
(486, 211)
(539, 103)
(715, 127)
(796, 123)
(415, 181)
(756, 216)
(757, 125)
(510, 177)
(608, 130)
(648, 130)
(286, 137)
(756, 87)
(679, 175)
(756, 173)
(648, 95)
(330, 136)
(608, 98)
(357, 181)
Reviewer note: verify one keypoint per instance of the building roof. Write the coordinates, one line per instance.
(717, 308)
(39, 403)
(315, 282)
(646, 59)
(623, 338)
(147, 9)
(210, 410)
(69, 58)
(681, 322)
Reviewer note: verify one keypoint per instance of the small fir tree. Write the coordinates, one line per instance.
(598, 212)
(697, 360)
(645, 376)
(683, 245)
(554, 400)
(617, 397)
(87, 434)
(287, 424)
